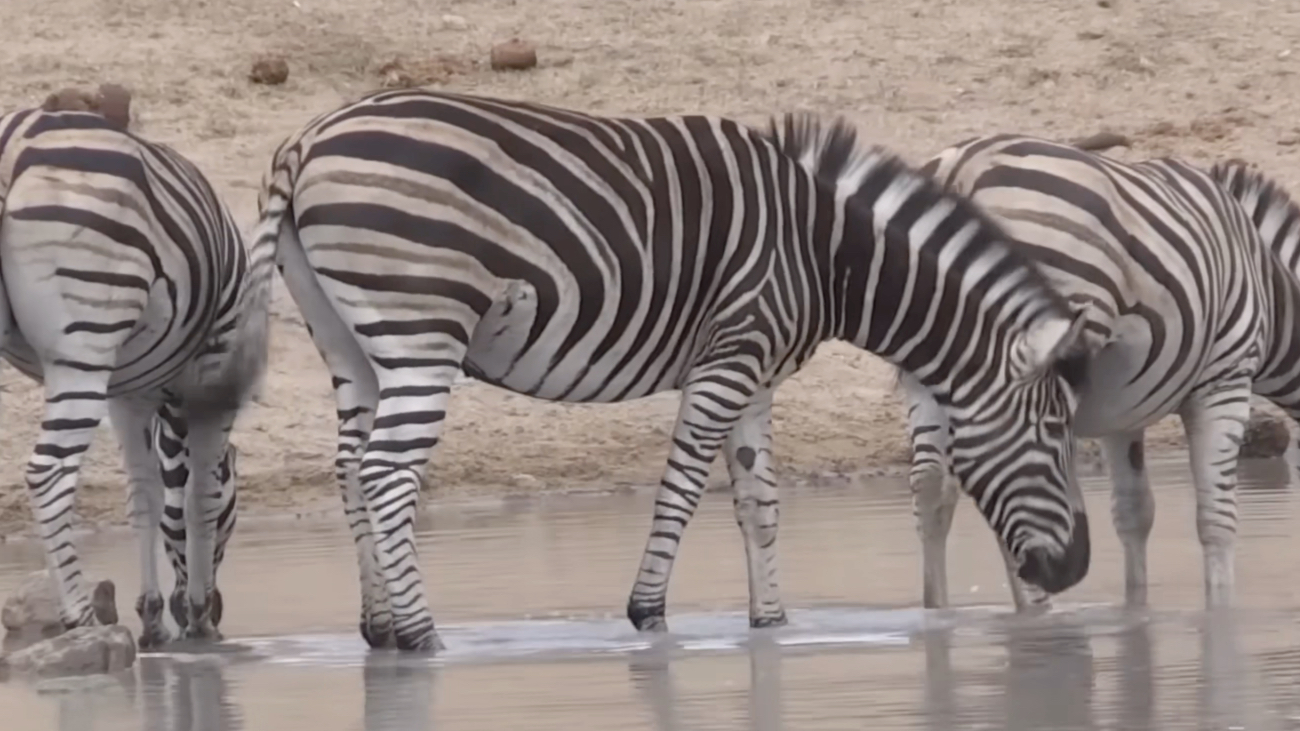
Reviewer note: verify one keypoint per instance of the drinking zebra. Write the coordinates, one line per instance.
(586, 259)
(1187, 311)
(128, 291)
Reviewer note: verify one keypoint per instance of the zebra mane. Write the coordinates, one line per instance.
(833, 153)
(1274, 212)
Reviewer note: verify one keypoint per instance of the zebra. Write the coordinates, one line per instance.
(1187, 310)
(128, 292)
(578, 258)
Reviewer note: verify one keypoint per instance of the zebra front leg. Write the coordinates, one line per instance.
(934, 496)
(708, 411)
(208, 441)
(131, 420)
(1132, 508)
(75, 404)
(407, 426)
(1215, 421)
(749, 459)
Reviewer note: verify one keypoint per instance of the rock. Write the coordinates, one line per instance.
(513, 55)
(79, 651)
(34, 607)
(1266, 436)
(115, 104)
(69, 99)
(269, 70)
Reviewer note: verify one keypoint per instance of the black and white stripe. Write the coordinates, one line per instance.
(1187, 311)
(580, 258)
(128, 291)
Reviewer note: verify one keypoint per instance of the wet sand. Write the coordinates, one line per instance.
(529, 594)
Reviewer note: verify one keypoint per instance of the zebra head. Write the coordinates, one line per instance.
(1012, 451)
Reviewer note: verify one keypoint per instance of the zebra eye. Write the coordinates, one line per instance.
(1054, 429)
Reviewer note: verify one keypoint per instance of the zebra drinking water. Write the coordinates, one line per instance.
(587, 259)
(128, 291)
(1188, 311)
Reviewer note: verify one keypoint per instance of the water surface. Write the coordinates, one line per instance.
(529, 598)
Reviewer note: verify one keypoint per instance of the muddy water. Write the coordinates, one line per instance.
(529, 597)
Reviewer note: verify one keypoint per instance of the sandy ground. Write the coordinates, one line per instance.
(1201, 80)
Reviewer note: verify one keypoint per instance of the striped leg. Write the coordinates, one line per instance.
(75, 404)
(131, 419)
(708, 412)
(1215, 421)
(1132, 508)
(169, 434)
(356, 394)
(758, 508)
(407, 426)
(207, 447)
(934, 496)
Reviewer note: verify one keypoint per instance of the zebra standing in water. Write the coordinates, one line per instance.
(1188, 310)
(127, 290)
(586, 259)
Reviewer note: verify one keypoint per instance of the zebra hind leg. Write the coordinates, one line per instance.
(709, 410)
(75, 404)
(357, 395)
(1215, 422)
(757, 507)
(407, 425)
(131, 422)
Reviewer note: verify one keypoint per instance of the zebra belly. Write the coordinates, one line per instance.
(1119, 395)
(499, 354)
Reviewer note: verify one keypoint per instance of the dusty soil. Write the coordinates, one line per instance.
(1204, 79)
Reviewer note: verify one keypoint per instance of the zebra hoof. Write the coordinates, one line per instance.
(378, 635)
(177, 606)
(154, 638)
(770, 621)
(201, 632)
(647, 617)
(216, 606)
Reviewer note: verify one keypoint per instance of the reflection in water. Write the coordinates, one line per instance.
(189, 692)
(398, 692)
(651, 673)
(1050, 677)
(186, 692)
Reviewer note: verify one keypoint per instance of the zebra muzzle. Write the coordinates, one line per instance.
(1056, 573)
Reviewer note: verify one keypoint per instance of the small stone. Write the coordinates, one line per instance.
(454, 22)
(513, 55)
(79, 651)
(269, 70)
(527, 482)
(34, 607)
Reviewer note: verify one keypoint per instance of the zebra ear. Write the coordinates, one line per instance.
(1049, 340)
